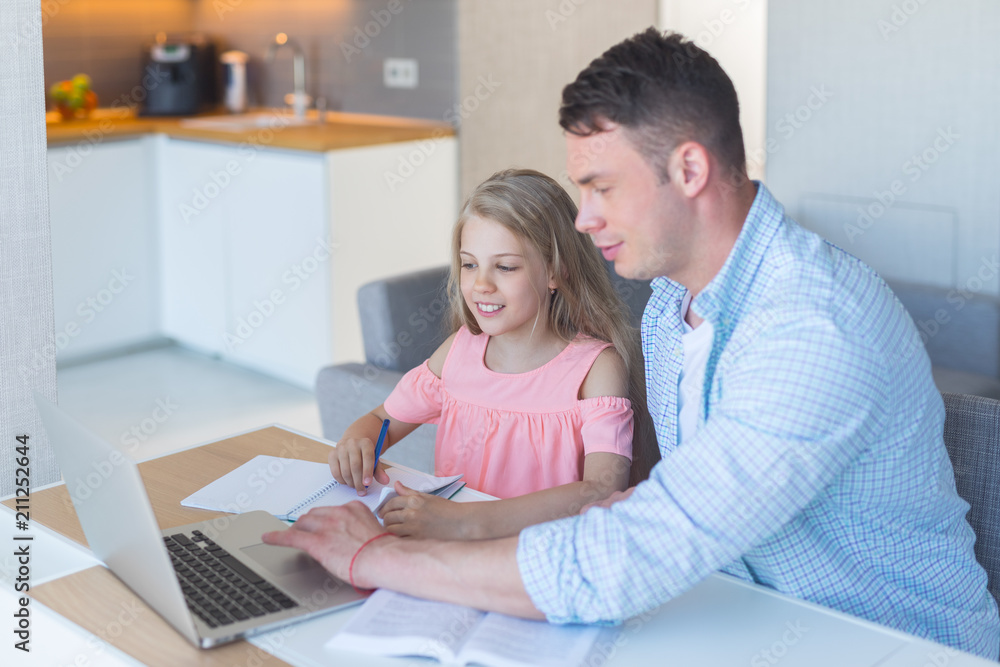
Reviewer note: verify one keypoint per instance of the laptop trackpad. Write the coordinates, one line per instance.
(282, 561)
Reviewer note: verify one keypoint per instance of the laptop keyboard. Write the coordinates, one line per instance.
(217, 587)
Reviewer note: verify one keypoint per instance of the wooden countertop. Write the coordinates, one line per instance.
(339, 130)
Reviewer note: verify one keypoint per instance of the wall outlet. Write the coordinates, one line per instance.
(399, 72)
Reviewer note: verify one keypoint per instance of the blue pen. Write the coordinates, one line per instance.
(381, 441)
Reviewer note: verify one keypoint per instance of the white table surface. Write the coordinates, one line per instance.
(721, 622)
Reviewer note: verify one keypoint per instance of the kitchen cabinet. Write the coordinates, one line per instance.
(251, 253)
(193, 247)
(238, 225)
(105, 262)
(263, 250)
(279, 305)
(392, 209)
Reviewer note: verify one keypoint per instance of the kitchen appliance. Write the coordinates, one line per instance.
(234, 80)
(179, 76)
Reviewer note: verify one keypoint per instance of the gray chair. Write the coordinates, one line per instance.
(961, 333)
(972, 436)
(403, 320)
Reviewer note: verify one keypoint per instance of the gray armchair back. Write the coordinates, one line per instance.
(404, 318)
(972, 436)
(961, 332)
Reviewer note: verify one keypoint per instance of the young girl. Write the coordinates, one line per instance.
(532, 392)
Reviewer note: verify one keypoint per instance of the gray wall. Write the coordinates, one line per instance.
(26, 321)
(882, 132)
(106, 40)
(345, 42)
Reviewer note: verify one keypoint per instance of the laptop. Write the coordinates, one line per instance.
(213, 581)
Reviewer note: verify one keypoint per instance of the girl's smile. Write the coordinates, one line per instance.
(488, 309)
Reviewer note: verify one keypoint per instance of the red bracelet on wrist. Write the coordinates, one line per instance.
(350, 568)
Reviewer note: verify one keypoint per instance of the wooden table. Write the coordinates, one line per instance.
(96, 600)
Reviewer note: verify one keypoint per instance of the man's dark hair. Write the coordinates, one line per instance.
(663, 90)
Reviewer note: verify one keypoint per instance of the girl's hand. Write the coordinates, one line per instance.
(421, 515)
(610, 500)
(351, 464)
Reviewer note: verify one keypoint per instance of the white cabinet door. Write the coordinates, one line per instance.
(104, 260)
(279, 266)
(193, 241)
(392, 208)
(264, 249)
(246, 265)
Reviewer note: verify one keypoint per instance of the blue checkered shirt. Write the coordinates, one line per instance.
(818, 467)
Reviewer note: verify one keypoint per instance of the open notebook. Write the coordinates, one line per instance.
(288, 488)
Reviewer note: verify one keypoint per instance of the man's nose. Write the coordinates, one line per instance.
(588, 219)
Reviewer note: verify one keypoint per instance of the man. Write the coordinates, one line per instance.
(800, 429)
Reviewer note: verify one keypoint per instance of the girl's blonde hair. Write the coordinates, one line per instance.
(539, 212)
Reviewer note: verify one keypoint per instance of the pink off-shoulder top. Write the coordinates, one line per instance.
(512, 434)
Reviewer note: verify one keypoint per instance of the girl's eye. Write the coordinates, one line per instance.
(468, 265)
(506, 269)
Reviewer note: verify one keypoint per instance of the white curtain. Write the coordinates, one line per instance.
(27, 355)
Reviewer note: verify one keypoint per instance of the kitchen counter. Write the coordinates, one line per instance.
(339, 130)
(242, 237)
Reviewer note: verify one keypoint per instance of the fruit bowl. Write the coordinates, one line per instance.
(73, 98)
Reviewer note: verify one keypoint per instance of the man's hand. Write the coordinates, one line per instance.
(610, 500)
(331, 535)
(421, 515)
(482, 574)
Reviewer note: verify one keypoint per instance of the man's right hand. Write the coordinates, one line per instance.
(332, 535)
(352, 461)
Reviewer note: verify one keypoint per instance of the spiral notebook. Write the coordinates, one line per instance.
(288, 488)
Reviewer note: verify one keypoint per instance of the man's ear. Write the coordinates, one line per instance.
(690, 165)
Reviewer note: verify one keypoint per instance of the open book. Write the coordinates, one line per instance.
(393, 624)
(288, 488)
